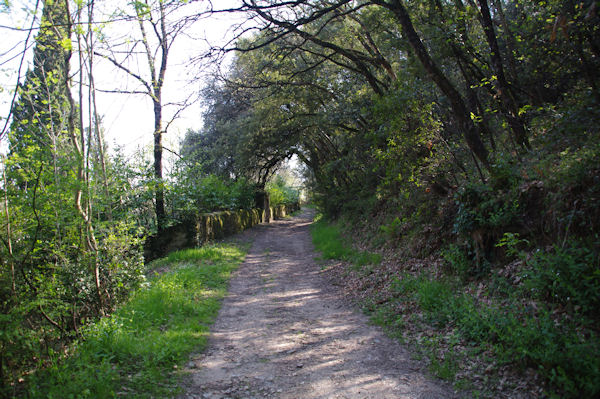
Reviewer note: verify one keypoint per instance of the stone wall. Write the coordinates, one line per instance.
(281, 211)
(198, 229)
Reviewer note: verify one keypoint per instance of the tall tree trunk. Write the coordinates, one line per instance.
(80, 153)
(459, 108)
(462, 62)
(158, 78)
(511, 110)
(159, 189)
(94, 109)
(510, 43)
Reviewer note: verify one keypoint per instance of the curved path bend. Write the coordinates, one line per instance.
(284, 332)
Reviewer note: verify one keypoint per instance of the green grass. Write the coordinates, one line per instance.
(328, 240)
(566, 354)
(134, 352)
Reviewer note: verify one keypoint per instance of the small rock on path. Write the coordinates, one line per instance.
(284, 332)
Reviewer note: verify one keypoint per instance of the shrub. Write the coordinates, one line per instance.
(480, 207)
(328, 240)
(460, 262)
(565, 353)
(195, 192)
(569, 276)
(280, 193)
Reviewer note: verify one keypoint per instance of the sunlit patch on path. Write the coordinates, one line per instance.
(283, 332)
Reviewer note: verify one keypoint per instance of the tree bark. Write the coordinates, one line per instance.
(459, 108)
(512, 112)
(157, 82)
(80, 153)
(94, 109)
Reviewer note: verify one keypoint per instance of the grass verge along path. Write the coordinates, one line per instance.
(134, 352)
(482, 343)
(328, 240)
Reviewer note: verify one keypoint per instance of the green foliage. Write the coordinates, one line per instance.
(121, 258)
(511, 243)
(461, 264)
(65, 293)
(134, 350)
(328, 240)
(193, 191)
(573, 180)
(564, 352)
(569, 276)
(393, 229)
(379, 139)
(280, 193)
(481, 208)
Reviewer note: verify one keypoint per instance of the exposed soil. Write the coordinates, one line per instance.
(285, 331)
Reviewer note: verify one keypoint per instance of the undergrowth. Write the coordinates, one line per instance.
(133, 352)
(515, 331)
(545, 322)
(328, 240)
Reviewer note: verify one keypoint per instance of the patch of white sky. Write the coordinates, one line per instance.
(128, 119)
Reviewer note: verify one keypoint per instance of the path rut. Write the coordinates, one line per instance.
(284, 332)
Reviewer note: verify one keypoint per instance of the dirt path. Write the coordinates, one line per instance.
(284, 332)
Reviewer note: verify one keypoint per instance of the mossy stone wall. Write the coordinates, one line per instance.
(200, 228)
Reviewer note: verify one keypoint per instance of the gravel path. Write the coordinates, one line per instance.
(284, 332)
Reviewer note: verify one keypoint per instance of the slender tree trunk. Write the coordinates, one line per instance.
(472, 98)
(80, 153)
(8, 237)
(94, 109)
(459, 108)
(159, 193)
(510, 42)
(512, 112)
(158, 78)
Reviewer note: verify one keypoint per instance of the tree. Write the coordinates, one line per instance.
(42, 105)
(65, 264)
(313, 13)
(156, 36)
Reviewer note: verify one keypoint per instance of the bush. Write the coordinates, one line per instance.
(565, 353)
(568, 276)
(195, 192)
(480, 207)
(280, 193)
(460, 262)
(133, 352)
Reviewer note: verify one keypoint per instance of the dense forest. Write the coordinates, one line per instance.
(464, 131)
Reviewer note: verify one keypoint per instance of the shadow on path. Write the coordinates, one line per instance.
(283, 332)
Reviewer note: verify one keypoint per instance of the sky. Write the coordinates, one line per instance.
(127, 118)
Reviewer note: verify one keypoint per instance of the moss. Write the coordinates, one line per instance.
(200, 228)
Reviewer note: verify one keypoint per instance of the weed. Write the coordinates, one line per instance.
(511, 243)
(566, 354)
(459, 262)
(135, 350)
(393, 229)
(328, 240)
(446, 368)
(568, 276)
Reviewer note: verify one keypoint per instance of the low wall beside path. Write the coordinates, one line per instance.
(200, 228)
